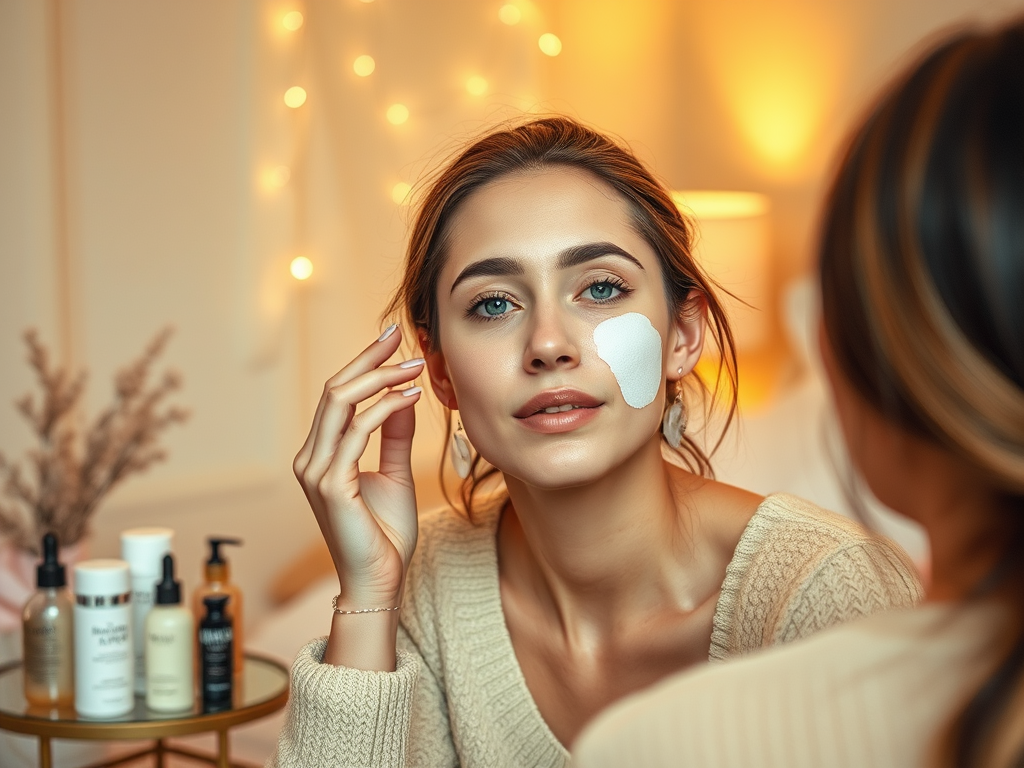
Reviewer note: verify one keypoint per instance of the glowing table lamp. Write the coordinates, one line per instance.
(732, 246)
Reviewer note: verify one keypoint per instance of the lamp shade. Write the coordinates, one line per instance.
(732, 234)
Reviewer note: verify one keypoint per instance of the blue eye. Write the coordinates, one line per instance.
(493, 307)
(602, 291)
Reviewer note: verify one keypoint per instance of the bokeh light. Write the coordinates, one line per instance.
(714, 204)
(301, 268)
(364, 65)
(275, 178)
(400, 193)
(510, 14)
(549, 44)
(476, 85)
(398, 114)
(292, 20)
(295, 97)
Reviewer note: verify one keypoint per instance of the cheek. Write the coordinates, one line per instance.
(479, 373)
(631, 347)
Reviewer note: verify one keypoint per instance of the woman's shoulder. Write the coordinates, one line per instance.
(799, 568)
(798, 530)
(782, 514)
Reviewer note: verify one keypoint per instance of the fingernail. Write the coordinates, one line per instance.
(411, 391)
(388, 331)
(415, 362)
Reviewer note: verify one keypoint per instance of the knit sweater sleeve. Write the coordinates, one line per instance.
(799, 569)
(342, 717)
(339, 716)
(856, 579)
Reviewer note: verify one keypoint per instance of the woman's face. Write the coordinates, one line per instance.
(537, 262)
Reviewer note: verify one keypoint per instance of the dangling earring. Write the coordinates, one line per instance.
(673, 426)
(458, 449)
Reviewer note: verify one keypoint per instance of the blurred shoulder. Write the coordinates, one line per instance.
(827, 700)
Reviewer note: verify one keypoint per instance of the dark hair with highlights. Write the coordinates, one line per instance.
(543, 143)
(922, 279)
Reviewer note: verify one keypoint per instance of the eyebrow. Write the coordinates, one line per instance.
(571, 257)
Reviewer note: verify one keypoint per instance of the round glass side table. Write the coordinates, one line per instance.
(263, 690)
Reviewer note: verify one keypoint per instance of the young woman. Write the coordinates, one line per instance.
(550, 285)
(922, 279)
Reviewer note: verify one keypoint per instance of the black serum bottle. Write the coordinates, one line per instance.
(216, 640)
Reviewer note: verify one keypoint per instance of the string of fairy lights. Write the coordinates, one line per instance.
(397, 114)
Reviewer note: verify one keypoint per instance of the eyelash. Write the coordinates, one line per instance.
(616, 282)
(472, 313)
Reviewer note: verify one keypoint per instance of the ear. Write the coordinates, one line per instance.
(437, 369)
(686, 337)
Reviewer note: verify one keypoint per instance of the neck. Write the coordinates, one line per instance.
(966, 544)
(961, 512)
(597, 551)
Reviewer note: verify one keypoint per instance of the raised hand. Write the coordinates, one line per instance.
(368, 519)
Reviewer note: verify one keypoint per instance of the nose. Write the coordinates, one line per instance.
(550, 345)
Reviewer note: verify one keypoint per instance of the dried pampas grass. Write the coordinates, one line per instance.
(75, 467)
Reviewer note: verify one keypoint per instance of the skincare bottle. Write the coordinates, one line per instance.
(103, 639)
(48, 633)
(215, 654)
(170, 638)
(143, 549)
(217, 581)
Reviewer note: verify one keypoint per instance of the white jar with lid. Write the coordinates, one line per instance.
(104, 659)
(143, 549)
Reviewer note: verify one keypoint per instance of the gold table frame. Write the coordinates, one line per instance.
(99, 730)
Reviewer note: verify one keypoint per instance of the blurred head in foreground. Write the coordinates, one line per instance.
(922, 278)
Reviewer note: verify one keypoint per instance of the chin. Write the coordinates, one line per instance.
(567, 466)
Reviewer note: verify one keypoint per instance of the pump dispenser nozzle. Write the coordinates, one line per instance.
(50, 572)
(215, 545)
(217, 565)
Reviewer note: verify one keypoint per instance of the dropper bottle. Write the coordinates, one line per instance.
(217, 581)
(170, 639)
(48, 633)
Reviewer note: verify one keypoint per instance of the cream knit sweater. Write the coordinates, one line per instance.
(458, 696)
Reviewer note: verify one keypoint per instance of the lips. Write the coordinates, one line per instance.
(557, 401)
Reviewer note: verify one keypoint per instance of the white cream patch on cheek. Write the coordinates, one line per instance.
(631, 347)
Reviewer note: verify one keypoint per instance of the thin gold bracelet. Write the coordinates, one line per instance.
(334, 605)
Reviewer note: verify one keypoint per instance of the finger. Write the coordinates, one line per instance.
(396, 444)
(373, 356)
(353, 443)
(340, 407)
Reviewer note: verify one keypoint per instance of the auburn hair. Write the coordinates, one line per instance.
(922, 280)
(545, 143)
